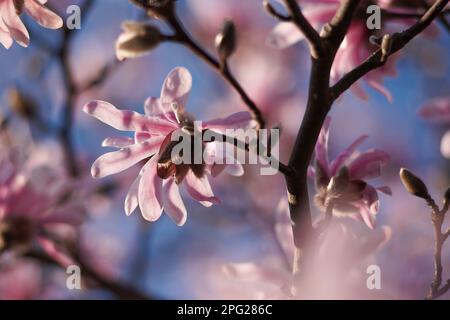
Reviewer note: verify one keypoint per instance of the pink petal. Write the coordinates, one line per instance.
(322, 146)
(42, 15)
(368, 164)
(13, 23)
(117, 161)
(150, 189)
(54, 252)
(200, 189)
(5, 38)
(126, 120)
(385, 189)
(120, 142)
(380, 88)
(437, 110)
(132, 198)
(337, 163)
(173, 204)
(177, 87)
(239, 120)
(284, 35)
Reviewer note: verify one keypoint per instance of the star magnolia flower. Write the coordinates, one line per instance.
(438, 110)
(342, 184)
(29, 212)
(12, 28)
(157, 186)
(354, 49)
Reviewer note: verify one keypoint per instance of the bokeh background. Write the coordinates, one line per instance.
(171, 262)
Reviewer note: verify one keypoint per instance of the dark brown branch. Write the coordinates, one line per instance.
(318, 106)
(120, 290)
(274, 13)
(336, 30)
(305, 27)
(283, 168)
(183, 37)
(399, 40)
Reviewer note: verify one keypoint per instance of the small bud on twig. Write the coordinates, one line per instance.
(414, 184)
(21, 104)
(386, 46)
(137, 39)
(226, 40)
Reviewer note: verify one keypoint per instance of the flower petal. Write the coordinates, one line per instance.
(322, 147)
(200, 190)
(284, 35)
(177, 87)
(126, 120)
(43, 15)
(173, 204)
(132, 198)
(345, 154)
(119, 142)
(150, 198)
(239, 120)
(117, 161)
(368, 164)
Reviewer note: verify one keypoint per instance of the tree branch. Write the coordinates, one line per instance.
(305, 27)
(399, 40)
(183, 37)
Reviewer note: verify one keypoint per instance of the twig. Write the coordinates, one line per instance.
(183, 37)
(305, 27)
(437, 218)
(274, 13)
(399, 40)
(120, 290)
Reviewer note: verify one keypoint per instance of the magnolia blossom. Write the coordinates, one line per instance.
(157, 186)
(438, 110)
(342, 250)
(12, 28)
(35, 201)
(341, 183)
(355, 48)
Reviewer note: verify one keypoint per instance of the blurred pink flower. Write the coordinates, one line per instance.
(353, 51)
(342, 251)
(36, 201)
(438, 110)
(11, 27)
(157, 186)
(20, 280)
(342, 182)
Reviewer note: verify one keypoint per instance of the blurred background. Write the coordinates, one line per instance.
(167, 261)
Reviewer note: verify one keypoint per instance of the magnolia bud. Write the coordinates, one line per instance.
(137, 40)
(21, 104)
(226, 40)
(386, 46)
(414, 184)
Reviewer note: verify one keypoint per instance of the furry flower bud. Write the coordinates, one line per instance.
(414, 184)
(226, 40)
(137, 39)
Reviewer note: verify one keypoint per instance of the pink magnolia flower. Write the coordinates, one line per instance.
(342, 251)
(157, 186)
(342, 184)
(11, 27)
(355, 48)
(36, 202)
(438, 110)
